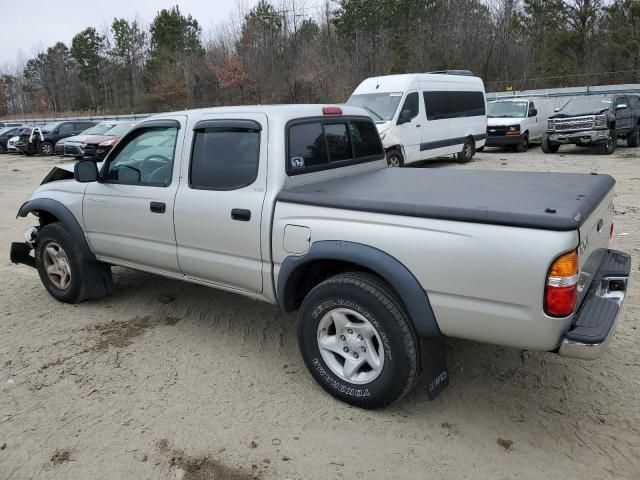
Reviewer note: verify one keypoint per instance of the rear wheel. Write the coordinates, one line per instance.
(357, 341)
(610, 146)
(2, 149)
(394, 158)
(468, 151)
(633, 138)
(523, 146)
(548, 146)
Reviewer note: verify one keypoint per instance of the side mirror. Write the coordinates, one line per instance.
(533, 112)
(621, 106)
(54, 132)
(85, 171)
(405, 117)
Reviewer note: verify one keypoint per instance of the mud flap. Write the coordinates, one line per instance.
(434, 365)
(21, 254)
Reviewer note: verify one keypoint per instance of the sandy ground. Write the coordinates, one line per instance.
(167, 380)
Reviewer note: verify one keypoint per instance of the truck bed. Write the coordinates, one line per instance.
(547, 201)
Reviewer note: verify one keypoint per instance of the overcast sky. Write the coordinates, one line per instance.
(39, 24)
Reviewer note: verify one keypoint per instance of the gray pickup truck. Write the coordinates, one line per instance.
(598, 120)
(295, 205)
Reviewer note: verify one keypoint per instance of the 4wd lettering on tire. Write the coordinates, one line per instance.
(354, 392)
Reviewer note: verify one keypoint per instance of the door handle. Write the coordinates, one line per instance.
(241, 215)
(418, 126)
(158, 207)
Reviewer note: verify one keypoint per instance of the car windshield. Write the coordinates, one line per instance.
(99, 129)
(507, 110)
(586, 105)
(4, 130)
(381, 106)
(119, 130)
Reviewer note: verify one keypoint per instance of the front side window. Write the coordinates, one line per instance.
(65, 128)
(622, 101)
(225, 158)
(411, 107)
(135, 163)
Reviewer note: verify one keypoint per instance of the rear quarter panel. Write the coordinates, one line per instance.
(485, 282)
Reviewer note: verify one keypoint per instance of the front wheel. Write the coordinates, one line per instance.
(47, 149)
(394, 159)
(611, 145)
(468, 151)
(357, 340)
(548, 146)
(523, 146)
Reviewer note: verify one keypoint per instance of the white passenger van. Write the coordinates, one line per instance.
(426, 115)
(517, 121)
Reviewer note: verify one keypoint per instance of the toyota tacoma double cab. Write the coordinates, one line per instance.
(295, 205)
(598, 120)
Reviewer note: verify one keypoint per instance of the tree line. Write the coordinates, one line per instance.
(290, 53)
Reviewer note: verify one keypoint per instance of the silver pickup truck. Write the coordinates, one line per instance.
(294, 205)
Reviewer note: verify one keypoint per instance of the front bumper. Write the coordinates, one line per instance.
(595, 322)
(581, 137)
(498, 140)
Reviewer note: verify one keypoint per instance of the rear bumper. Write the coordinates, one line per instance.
(498, 140)
(583, 137)
(595, 322)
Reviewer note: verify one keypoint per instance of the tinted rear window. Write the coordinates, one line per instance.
(329, 143)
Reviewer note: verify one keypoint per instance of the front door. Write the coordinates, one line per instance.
(218, 210)
(410, 126)
(624, 120)
(128, 215)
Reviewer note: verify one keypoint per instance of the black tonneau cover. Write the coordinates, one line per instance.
(547, 201)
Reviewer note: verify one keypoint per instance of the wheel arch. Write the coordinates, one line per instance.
(49, 211)
(299, 274)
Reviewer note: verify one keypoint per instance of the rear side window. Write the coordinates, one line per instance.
(224, 158)
(443, 105)
(320, 144)
(634, 100)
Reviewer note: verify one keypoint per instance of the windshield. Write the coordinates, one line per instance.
(4, 130)
(586, 105)
(99, 129)
(381, 106)
(507, 110)
(119, 129)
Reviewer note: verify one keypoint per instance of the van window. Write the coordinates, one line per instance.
(320, 144)
(412, 104)
(443, 105)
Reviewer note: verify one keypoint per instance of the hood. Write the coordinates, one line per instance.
(383, 126)
(504, 122)
(96, 139)
(595, 111)
(76, 139)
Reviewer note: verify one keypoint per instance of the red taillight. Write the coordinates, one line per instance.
(561, 292)
(332, 111)
(611, 231)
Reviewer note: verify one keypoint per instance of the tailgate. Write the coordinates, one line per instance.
(595, 234)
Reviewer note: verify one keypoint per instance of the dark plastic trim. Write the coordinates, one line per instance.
(389, 268)
(221, 123)
(66, 218)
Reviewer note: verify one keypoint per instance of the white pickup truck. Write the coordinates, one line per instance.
(294, 205)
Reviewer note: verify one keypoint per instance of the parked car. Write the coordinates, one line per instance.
(422, 116)
(6, 134)
(98, 146)
(597, 120)
(11, 145)
(71, 146)
(380, 263)
(517, 122)
(44, 142)
(10, 124)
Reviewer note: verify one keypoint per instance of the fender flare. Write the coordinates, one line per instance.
(65, 216)
(389, 268)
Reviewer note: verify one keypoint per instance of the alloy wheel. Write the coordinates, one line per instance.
(57, 266)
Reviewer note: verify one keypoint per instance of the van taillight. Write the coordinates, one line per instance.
(561, 292)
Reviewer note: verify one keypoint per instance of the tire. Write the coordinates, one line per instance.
(480, 149)
(395, 158)
(70, 278)
(47, 149)
(468, 151)
(370, 318)
(523, 146)
(2, 149)
(609, 147)
(633, 138)
(549, 147)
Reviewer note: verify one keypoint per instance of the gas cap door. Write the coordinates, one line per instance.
(297, 239)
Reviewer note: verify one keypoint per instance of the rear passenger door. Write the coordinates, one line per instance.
(218, 209)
